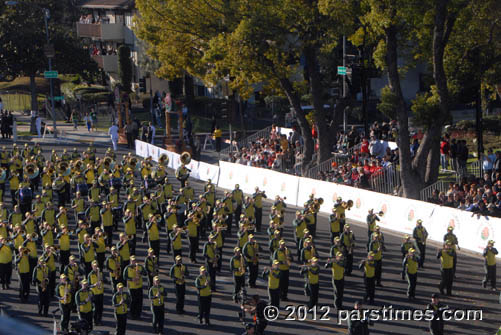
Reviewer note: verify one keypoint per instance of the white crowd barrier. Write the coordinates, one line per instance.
(273, 183)
(400, 214)
(144, 149)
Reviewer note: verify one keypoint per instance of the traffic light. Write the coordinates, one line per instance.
(142, 85)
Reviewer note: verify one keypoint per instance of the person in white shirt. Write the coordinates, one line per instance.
(113, 132)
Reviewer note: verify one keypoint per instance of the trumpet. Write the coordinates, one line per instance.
(116, 273)
(287, 257)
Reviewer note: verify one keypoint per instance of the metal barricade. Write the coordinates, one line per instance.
(441, 186)
(326, 166)
(249, 139)
(386, 181)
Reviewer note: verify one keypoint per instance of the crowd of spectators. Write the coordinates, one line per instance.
(477, 195)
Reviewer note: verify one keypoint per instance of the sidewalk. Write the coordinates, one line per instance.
(66, 133)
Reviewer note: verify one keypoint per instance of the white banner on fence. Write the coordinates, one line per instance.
(401, 214)
(273, 183)
(208, 171)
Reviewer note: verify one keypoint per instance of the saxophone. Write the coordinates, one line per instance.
(99, 279)
(45, 279)
(116, 273)
(137, 275)
(255, 258)
(287, 256)
(242, 266)
(66, 292)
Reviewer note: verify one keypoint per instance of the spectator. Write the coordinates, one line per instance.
(444, 152)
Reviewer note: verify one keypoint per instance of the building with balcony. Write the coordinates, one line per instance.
(105, 25)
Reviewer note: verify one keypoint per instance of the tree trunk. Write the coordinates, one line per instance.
(188, 90)
(411, 183)
(325, 135)
(295, 102)
(33, 88)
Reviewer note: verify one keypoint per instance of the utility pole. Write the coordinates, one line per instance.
(344, 82)
(46, 18)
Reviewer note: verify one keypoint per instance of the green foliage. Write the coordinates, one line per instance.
(425, 108)
(125, 68)
(388, 103)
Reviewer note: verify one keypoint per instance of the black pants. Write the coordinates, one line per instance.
(239, 284)
(348, 268)
(5, 274)
(220, 258)
(378, 271)
(253, 273)
(338, 286)
(180, 292)
(121, 323)
(88, 268)
(313, 288)
(158, 318)
(168, 241)
(238, 211)
(87, 317)
(108, 230)
(64, 259)
(229, 221)
(370, 288)
(274, 296)
(259, 218)
(65, 315)
(447, 280)
(52, 283)
(193, 248)
(100, 258)
(155, 245)
(24, 286)
(137, 302)
(422, 253)
(130, 140)
(284, 284)
(490, 275)
(43, 301)
(411, 287)
(204, 304)
(211, 269)
(98, 308)
(25, 207)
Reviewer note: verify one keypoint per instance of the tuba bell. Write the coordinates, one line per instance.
(31, 170)
(78, 165)
(185, 158)
(350, 204)
(63, 169)
(108, 161)
(163, 160)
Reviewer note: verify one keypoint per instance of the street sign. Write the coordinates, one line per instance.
(59, 98)
(341, 70)
(50, 74)
(49, 50)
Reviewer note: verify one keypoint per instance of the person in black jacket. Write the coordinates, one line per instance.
(358, 324)
(437, 309)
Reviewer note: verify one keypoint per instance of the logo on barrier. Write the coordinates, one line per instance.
(231, 175)
(313, 191)
(265, 181)
(334, 197)
(208, 171)
(454, 222)
(358, 203)
(246, 179)
(282, 188)
(384, 209)
(485, 232)
(410, 215)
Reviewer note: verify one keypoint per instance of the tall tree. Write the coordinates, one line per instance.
(23, 36)
(125, 68)
(283, 45)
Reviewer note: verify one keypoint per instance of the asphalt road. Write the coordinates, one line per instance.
(468, 293)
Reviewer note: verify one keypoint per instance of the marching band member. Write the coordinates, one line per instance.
(107, 221)
(447, 255)
(338, 270)
(23, 269)
(157, 294)
(176, 240)
(490, 265)
(124, 250)
(238, 197)
(273, 275)
(6, 258)
(348, 241)
(368, 266)
(153, 233)
(251, 253)
(237, 267)
(83, 300)
(311, 272)
(134, 273)
(377, 247)
(63, 293)
(49, 256)
(410, 269)
(420, 236)
(211, 258)
(204, 296)
(130, 230)
(178, 272)
(113, 263)
(41, 280)
(258, 197)
(152, 266)
(285, 258)
(96, 281)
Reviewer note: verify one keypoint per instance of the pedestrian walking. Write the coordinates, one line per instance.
(74, 119)
(38, 124)
(113, 132)
(88, 122)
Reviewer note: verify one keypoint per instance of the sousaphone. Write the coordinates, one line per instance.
(185, 158)
(31, 170)
(163, 160)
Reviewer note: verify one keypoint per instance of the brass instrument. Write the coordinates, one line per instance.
(45, 279)
(78, 165)
(67, 292)
(116, 273)
(137, 276)
(287, 257)
(349, 204)
(31, 170)
(155, 266)
(163, 160)
(108, 163)
(242, 266)
(185, 158)
(63, 169)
